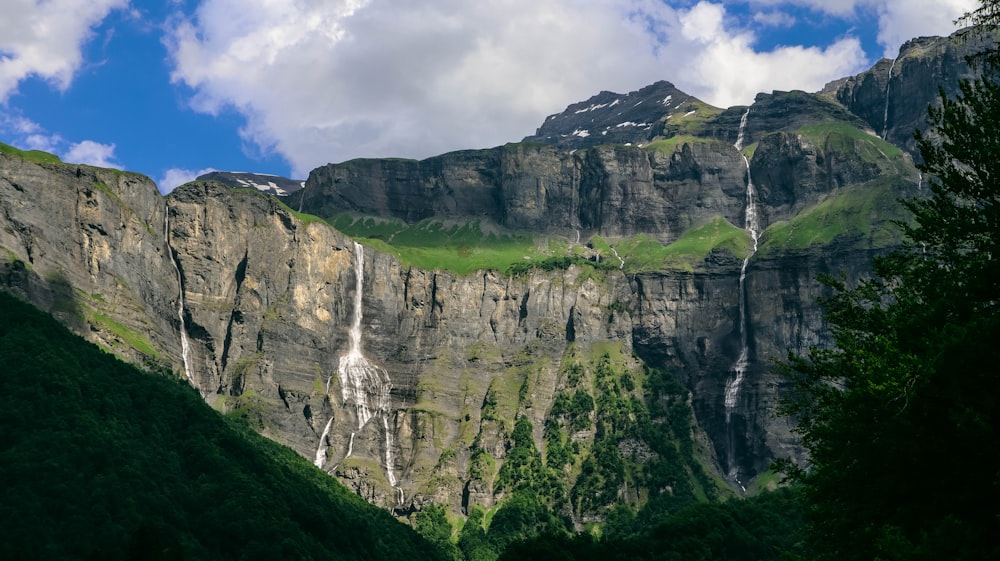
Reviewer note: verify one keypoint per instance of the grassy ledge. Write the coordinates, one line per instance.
(33, 156)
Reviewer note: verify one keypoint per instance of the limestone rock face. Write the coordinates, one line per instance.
(269, 298)
(607, 190)
(893, 96)
(87, 245)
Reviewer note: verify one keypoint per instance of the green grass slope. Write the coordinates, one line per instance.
(99, 460)
(34, 156)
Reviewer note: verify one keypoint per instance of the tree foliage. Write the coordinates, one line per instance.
(899, 416)
(99, 460)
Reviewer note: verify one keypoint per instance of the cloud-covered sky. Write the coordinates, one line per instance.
(173, 88)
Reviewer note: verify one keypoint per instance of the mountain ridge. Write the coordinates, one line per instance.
(268, 291)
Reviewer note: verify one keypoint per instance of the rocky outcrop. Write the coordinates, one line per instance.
(893, 96)
(634, 118)
(87, 245)
(265, 183)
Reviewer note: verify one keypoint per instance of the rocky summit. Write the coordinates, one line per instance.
(592, 312)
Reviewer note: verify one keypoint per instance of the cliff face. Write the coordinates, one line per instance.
(87, 245)
(269, 302)
(893, 96)
(406, 383)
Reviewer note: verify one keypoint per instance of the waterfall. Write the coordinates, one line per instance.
(321, 451)
(621, 262)
(185, 345)
(885, 114)
(734, 384)
(363, 384)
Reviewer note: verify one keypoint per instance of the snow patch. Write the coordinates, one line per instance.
(631, 124)
(690, 113)
(667, 99)
(591, 108)
(582, 133)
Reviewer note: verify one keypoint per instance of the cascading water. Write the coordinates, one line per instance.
(363, 384)
(321, 451)
(885, 114)
(739, 368)
(621, 262)
(185, 344)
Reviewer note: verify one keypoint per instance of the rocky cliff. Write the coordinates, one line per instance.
(893, 96)
(614, 330)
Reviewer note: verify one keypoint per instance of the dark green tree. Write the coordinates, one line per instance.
(899, 416)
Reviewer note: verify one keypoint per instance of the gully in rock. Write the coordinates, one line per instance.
(739, 368)
(185, 344)
(363, 384)
(885, 114)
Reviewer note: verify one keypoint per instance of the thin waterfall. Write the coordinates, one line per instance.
(885, 114)
(621, 262)
(363, 384)
(185, 344)
(739, 368)
(321, 451)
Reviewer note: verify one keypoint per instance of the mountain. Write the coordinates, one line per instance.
(269, 184)
(575, 316)
(633, 118)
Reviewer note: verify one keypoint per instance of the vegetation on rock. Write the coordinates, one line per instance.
(900, 415)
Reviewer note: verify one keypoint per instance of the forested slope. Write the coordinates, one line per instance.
(100, 460)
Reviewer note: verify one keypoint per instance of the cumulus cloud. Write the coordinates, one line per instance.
(774, 19)
(727, 65)
(330, 81)
(353, 78)
(92, 153)
(901, 21)
(898, 20)
(175, 177)
(43, 38)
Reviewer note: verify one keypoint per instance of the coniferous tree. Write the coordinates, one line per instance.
(900, 415)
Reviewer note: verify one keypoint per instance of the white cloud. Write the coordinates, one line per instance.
(92, 153)
(900, 21)
(726, 64)
(27, 134)
(175, 177)
(774, 18)
(43, 38)
(329, 81)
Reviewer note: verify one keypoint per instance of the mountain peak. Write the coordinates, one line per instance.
(612, 118)
(265, 183)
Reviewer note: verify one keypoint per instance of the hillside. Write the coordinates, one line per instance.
(102, 461)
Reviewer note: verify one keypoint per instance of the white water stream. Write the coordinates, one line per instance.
(185, 344)
(363, 384)
(735, 383)
(321, 451)
(885, 114)
(621, 262)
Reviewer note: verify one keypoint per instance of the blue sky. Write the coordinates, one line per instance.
(172, 88)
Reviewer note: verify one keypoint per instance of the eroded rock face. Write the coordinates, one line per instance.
(87, 245)
(269, 301)
(607, 190)
(269, 297)
(893, 96)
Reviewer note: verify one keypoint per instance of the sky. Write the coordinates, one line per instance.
(176, 88)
